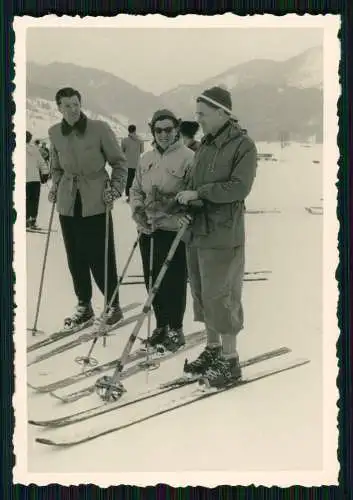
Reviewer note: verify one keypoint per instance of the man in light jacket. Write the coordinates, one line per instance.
(222, 177)
(80, 148)
(133, 148)
(37, 172)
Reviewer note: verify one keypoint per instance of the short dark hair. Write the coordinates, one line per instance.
(28, 136)
(37, 141)
(132, 128)
(66, 92)
(189, 128)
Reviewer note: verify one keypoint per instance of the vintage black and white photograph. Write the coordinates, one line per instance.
(175, 250)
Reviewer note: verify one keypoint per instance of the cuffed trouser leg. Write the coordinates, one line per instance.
(216, 279)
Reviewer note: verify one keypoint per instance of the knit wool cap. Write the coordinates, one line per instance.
(163, 114)
(217, 96)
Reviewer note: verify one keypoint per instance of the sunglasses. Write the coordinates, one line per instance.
(167, 130)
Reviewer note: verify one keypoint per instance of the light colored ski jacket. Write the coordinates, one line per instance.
(159, 177)
(132, 147)
(35, 164)
(78, 161)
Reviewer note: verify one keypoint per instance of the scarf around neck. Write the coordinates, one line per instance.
(80, 125)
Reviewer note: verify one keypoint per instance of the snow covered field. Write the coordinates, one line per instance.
(272, 425)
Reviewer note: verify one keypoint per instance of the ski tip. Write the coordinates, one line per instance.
(45, 441)
(37, 423)
(55, 396)
(32, 386)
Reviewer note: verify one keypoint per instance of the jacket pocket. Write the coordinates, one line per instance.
(174, 178)
(222, 215)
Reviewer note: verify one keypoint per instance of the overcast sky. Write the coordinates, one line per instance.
(159, 59)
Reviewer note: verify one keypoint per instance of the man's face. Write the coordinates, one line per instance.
(165, 133)
(209, 118)
(70, 108)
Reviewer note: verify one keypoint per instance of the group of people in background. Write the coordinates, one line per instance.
(160, 184)
(37, 173)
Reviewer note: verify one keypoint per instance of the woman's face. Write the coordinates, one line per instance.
(165, 133)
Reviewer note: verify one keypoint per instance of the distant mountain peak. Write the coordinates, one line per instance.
(268, 96)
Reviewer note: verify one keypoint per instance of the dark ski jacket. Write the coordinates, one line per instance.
(223, 173)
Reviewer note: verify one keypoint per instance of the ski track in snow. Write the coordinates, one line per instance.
(275, 424)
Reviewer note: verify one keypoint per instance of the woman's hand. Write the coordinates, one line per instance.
(184, 197)
(140, 218)
(184, 220)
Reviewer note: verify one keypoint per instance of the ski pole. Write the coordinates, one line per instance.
(246, 273)
(88, 360)
(105, 389)
(34, 329)
(149, 364)
(106, 244)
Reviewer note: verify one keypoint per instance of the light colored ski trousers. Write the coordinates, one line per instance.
(216, 282)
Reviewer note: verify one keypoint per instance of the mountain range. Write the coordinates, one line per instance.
(269, 97)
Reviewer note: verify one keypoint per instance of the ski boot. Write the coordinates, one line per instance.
(115, 315)
(222, 373)
(173, 340)
(31, 223)
(157, 337)
(34, 225)
(203, 362)
(81, 317)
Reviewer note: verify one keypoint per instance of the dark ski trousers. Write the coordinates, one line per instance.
(32, 199)
(130, 180)
(170, 301)
(84, 239)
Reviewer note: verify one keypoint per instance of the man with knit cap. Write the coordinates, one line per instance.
(222, 176)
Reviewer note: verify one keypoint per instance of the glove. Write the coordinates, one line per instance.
(52, 195)
(110, 194)
(140, 218)
(44, 178)
(184, 219)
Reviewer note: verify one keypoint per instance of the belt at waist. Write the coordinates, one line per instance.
(77, 179)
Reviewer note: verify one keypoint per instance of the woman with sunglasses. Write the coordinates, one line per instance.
(159, 177)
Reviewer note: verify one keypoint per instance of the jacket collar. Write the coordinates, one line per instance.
(226, 133)
(176, 145)
(80, 126)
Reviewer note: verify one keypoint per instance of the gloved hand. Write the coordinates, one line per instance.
(110, 194)
(139, 216)
(52, 195)
(184, 219)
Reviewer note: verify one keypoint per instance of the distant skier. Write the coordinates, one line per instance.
(188, 130)
(80, 148)
(132, 147)
(37, 172)
(222, 177)
(159, 177)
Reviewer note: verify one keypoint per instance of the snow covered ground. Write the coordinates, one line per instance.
(272, 425)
